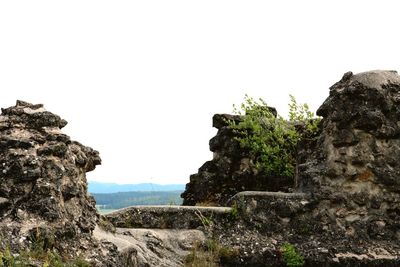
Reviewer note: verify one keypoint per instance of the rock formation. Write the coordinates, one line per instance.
(44, 201)
(230, 171)
(43, 193)
(360, 143)
(347, 208)
(345, 212)
(353, 176)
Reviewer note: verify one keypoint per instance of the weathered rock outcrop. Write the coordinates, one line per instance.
(345, 212)
(230, 171)
(360, 143)
(354, 175)
(44, 202)
(347, 208)
(43, 193)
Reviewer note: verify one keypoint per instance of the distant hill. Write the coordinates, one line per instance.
(126, 199)
(98, 187)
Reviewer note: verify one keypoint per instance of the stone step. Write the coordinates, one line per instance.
(167, 217)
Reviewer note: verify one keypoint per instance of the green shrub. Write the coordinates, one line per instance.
(290, 256)
(271, 140)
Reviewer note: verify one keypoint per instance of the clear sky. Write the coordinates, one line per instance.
(140, 80)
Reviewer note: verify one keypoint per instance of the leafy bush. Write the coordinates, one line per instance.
(290, 256)
(271, 140)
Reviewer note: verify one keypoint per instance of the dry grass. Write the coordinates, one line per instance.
(209, 255)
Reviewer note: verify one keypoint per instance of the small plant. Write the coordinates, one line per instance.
(209, 255)
(206, 222)
(106, 225)
(129, 223)
(200, 258)
(290, 256)
(80, 262)
(7, 258)
(234, 212)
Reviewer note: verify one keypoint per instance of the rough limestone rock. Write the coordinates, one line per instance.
(230, 171)
(43, 193)
(360, 143)
(347, 208)
(346, 211)
(354, 175)
(165, 217)
(152, 247)
(44, 200)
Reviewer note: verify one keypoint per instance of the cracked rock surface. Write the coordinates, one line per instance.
(43, 192)
(152, 247)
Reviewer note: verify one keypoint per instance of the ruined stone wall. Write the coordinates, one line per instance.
(353, 176)
(230, 171)
(346, 210)
(360, 143)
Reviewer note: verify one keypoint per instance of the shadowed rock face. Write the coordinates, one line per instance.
(43, 191)
(230, 171)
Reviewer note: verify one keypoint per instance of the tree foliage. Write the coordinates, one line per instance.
(271, 140)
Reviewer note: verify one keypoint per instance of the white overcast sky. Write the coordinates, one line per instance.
(140, 80)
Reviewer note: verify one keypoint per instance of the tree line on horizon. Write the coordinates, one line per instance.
(126, 199)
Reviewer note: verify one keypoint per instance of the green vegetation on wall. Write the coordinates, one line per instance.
(272, 140)
(290, 256)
